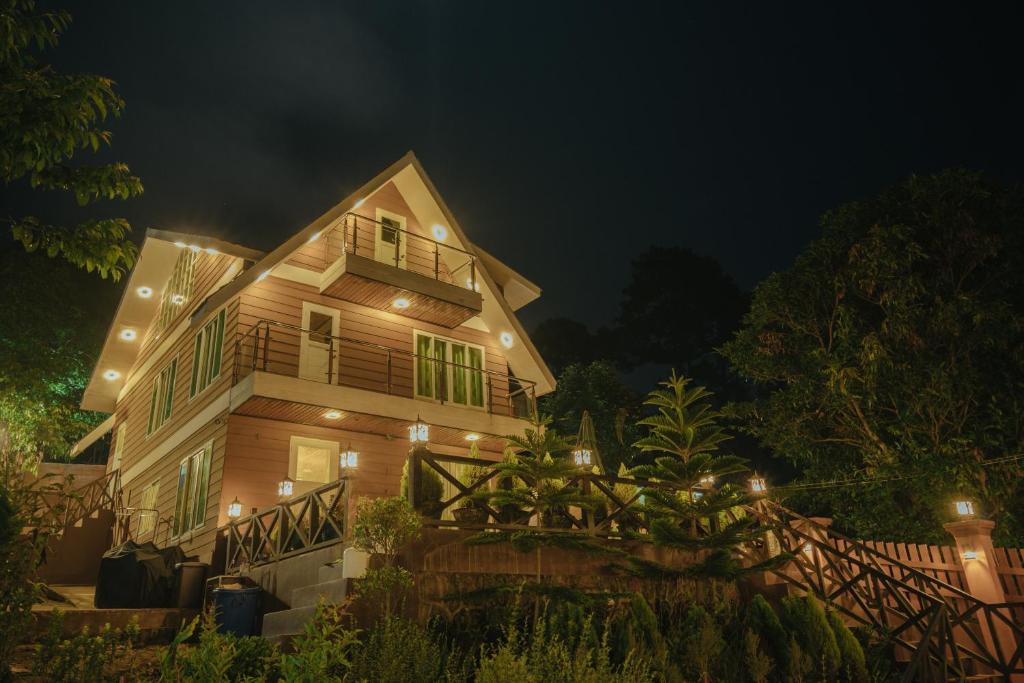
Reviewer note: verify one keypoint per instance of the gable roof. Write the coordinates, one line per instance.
(426, 202)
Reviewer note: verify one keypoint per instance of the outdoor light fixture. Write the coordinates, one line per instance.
(758, 485)
(144, 292)
(970, 555)
(808, 548)
(472, 437)
(419, 432)
(263, 276)
(400, 302)
(286, 487)
(127, 334)
(359, 203)
(212, 251)
(194, 248)
(235, 508)
(111, 375)
(348, 460)
(475, 286)
(964, 508)
(506, 339)
(177, 299)
(440, 232)
(180, 245)
(707, 481)
(696, 495)
(314, 237)
(582, 457)
(332, 414)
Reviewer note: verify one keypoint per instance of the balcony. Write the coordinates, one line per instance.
(383, 266)
(295, 374)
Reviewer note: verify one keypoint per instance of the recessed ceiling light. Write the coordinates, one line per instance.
(314, 237)
(128, 334)
(212, 251)
(400, 302)
(440, 232)
(193, 247)
(332, 414)
(360, 203)
(472, 437)
(507, 340)
(144, 292)
(180, 245)
(111, 375)
(177, 299)
(263, 276)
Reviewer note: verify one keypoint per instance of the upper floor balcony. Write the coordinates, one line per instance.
(380, 264)
(313, 377)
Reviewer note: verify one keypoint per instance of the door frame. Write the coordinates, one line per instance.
(403, 242)
(306, 343)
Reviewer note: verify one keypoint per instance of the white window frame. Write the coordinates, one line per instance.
(334, 448)
(448, 371)
(191, 489)
(120, 434)
(147, 512)
(207, 361)
(154, 403)
(403, 243)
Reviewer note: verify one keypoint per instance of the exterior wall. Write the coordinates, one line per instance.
(257, 459)
(280, 300)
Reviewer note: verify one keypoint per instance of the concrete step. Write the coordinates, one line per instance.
(330, 591)
(288, 622)
(329, 572)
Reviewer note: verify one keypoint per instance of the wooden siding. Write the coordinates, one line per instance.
(199, 541)
(258, 451)
(360, 366)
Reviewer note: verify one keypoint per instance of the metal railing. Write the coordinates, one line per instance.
(277, 348)
(388, 243)
(306, 522)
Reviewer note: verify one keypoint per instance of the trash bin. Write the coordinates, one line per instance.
(191, 577)
(237, 609)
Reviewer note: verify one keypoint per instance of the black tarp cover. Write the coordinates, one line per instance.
(137, 575)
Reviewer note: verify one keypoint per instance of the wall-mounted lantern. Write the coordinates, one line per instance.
(286, 487)
(348, 459)
(235, 508)
(758, 485)
(582, 457)
(419, 432)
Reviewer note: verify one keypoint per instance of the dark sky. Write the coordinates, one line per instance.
(565, 136)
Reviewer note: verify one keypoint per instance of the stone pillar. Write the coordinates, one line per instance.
(977, 557)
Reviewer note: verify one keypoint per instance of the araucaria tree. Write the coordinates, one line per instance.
(47, 121)
(893, 351)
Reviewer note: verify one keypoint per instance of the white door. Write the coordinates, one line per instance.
(391, 240)
(317, 349)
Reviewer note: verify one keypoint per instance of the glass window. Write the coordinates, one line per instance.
(193, 482)
(313, 463)
(162, 401)
(320, 325)
(206, 358)
(147, 509)
(179, 289)
(449, 371)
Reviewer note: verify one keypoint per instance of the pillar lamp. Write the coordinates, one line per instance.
(286, 487)
(964, 508)
(235, 508)
(419, 432)
(348, 459)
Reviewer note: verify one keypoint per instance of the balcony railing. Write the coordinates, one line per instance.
(387, 243)
(284, 349)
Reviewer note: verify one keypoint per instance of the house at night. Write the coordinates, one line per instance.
(236, 380)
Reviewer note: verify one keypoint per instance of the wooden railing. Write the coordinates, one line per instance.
(58, 508)
(366, 237)
(306, 522)
(274, 347)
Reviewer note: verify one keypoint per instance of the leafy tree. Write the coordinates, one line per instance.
(51, 331)
(46, 119)
(596, 388)
(893, 350)
(805, 618)
(384, 526)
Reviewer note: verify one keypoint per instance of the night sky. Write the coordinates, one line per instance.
(566, 137)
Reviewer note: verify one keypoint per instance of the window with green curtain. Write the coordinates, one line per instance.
(193, 485)
(206, 356)
(476, 379)
(424, 368)
(458, 373)
(161, 404)
(440, 370)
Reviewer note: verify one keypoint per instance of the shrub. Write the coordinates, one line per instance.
(217, 657)
(429, 489)
(384, 584)
(384, 526)
(398, 651)
(84, 658)
(853, 666)
(324, 650)
(702, 642)
(807, 622)
(757, 664)
(761, 618)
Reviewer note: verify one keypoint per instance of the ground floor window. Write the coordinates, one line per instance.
(193, 484)
(449, 371)
(147, 509)
(312, 462)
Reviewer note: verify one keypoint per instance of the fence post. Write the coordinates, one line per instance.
(977, 556)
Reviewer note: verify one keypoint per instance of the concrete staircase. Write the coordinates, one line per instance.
(288, 623)
(73, 558)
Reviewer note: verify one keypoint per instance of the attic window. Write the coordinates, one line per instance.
(179, 289)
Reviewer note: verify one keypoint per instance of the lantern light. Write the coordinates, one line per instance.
(970, 554)
(964, 508)
(758, 484)
(696, 495)
(808, 548)
(419, 432)
(235, 508)
(707, 481)
(286, 487)
(582, 456)
(349, 459)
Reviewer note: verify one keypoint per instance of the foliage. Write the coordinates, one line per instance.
(893, 350)
(385, 584)
(703, 642)
(853, 666)
(398, 651)
(324, 651)
(758, 664)
(51, 329)
(46, 119)
(217, 657)
(83, 658)
(805, 618)
(384, 526)
(685, 424)
(596, 388)
(429, 489)
(762, 620)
